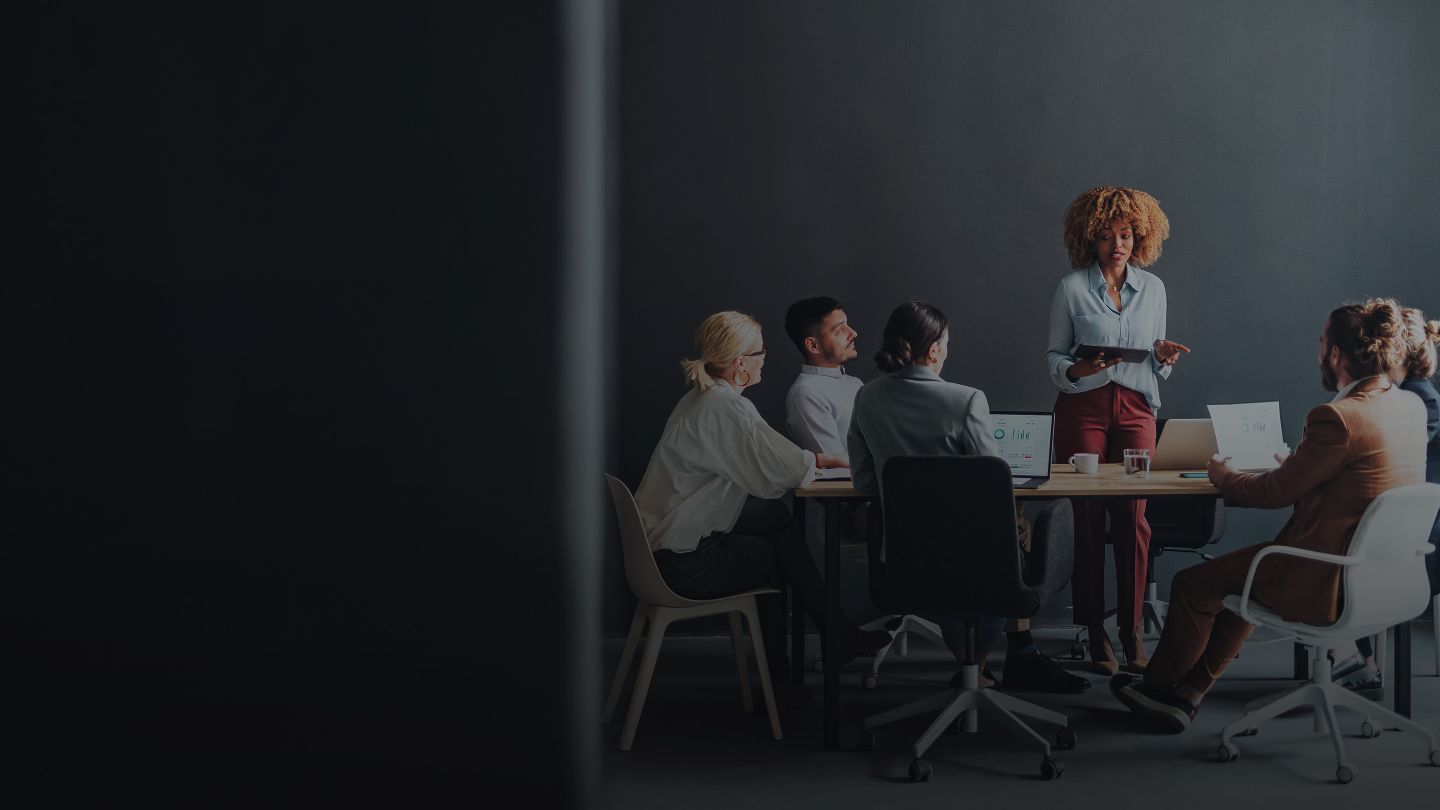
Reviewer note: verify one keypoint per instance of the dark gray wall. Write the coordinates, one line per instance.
(293, 285)
(881, 151)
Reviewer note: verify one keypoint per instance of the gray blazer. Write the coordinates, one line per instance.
(914, 412)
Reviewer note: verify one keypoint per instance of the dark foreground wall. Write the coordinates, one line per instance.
(881, 151)
(305, 298)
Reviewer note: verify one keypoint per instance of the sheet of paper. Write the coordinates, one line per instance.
(1249, 433)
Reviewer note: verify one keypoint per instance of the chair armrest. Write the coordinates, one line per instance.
(1052, 549)
(1289, 551)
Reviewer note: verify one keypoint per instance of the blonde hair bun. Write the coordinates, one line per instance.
(720, 338)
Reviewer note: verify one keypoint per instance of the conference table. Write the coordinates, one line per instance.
(1064, 482)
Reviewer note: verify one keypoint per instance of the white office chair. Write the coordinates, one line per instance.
(659, 607)
(900, 643)
(1384, 584)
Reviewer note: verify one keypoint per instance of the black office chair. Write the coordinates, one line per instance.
(946, 525)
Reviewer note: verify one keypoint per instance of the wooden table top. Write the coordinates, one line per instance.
(1065, 483)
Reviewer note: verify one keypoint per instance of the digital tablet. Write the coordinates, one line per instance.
(1125, 353)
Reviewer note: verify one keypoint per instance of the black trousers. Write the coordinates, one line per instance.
(764, 548)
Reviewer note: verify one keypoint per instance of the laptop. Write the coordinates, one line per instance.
(1027, 442)
(1185, 444)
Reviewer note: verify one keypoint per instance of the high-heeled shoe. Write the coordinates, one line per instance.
(1136, 659)
(1102, 655)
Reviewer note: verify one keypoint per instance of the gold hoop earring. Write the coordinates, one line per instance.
(748, 377)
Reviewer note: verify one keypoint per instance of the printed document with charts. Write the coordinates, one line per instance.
(1249, 433)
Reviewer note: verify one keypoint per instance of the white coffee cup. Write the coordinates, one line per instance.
(1085, 463)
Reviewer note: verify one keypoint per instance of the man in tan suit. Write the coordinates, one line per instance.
(1368, 439)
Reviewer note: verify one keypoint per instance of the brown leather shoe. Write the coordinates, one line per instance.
(1102, 655)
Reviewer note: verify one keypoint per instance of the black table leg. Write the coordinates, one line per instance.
(1302, 662)
(797, 610)
(833, 644)
(1402, 669)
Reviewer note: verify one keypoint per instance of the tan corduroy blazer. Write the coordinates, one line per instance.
(1352, 450)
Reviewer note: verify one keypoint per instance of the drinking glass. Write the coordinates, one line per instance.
(1137, 463)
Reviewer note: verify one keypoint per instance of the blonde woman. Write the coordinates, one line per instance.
(1107, 406)
(708, 498)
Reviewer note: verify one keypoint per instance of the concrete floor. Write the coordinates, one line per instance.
(695, 749)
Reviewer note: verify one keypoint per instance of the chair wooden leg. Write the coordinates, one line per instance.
(621, 672)
(659, 620)
(752, 616)
(737, 640)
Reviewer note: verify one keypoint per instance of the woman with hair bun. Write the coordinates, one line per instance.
(1107, 406)
(1360, 673)
(1421, 337)
(912, 411)
(707, 500)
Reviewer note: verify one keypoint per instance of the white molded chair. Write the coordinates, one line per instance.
(659, 606)
(1384, 584)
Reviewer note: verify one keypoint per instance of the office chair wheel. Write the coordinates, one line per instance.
(1345, 774)
(1051, 769)
(1077, 651)
(866, 741)
(817, 664)
(1435, 757)
(869, 681)
(919, 770)
(1227, 752)
(1065, 739)
(1368, 730)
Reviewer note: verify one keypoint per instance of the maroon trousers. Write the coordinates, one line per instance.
(1107, 421)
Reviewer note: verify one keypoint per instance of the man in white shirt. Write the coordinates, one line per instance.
(819, 403)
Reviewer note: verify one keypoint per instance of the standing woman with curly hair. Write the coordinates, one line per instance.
(1107, 406)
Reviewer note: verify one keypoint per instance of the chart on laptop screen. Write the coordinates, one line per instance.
(1024, 441)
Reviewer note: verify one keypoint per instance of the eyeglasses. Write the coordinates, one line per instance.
(760, 353)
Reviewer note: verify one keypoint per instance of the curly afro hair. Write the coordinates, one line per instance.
(1100, 206)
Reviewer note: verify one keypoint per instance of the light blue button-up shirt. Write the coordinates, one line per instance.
(1081, 312)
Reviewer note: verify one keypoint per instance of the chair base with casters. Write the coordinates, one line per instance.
(1382, 587)
(963, 706)
(1323, 696)
(903, 627)
(659, 607)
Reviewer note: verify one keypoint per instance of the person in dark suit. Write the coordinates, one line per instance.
(1370, 438)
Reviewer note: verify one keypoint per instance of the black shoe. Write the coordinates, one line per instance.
(1122, 680)
(1039, 672)
(1367, 682)
(1163, 708)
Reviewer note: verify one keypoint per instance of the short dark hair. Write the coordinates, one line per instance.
(1370, 336)
(912, 328)
(804, 315)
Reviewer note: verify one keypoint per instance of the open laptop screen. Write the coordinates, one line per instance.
(1025, 439)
